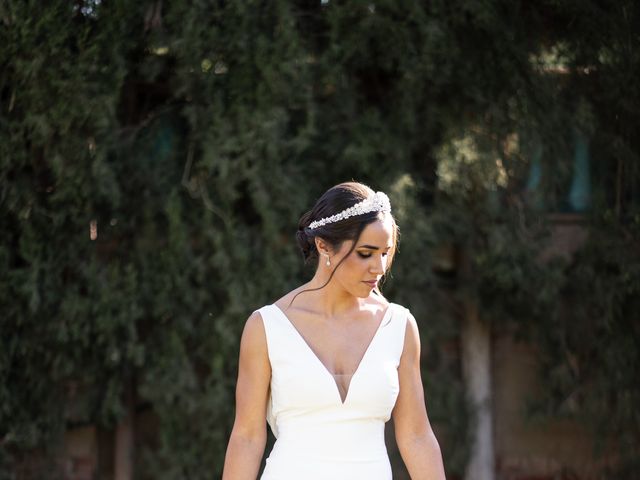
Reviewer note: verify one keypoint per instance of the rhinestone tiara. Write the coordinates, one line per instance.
(378, 202)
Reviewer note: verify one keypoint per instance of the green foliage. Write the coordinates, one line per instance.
(188, 137)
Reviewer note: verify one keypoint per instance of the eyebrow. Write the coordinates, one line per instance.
(373, 247)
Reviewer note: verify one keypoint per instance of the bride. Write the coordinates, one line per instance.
(330, 362)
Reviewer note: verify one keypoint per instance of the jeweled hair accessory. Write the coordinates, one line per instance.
(378, 202)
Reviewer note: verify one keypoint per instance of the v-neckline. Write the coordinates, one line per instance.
(324, 367)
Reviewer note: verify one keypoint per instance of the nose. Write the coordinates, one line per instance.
(377, 264)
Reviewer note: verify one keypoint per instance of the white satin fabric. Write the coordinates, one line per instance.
(318, 437)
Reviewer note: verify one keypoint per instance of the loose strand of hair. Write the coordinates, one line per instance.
(353, 247)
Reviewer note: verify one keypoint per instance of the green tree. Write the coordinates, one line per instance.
(155, 158)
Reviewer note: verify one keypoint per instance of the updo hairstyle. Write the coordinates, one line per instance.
(333, 201)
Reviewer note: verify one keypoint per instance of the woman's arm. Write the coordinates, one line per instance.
(414, 436)
(249, 434)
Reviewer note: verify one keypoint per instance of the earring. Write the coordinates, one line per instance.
(328, 261)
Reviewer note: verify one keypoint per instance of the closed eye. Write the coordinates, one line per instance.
(368, 255)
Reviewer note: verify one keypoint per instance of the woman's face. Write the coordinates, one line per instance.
(360, 272)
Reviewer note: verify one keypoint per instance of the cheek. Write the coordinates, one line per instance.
(354, 265)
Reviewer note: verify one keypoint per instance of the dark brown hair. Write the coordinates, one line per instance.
(333, 201)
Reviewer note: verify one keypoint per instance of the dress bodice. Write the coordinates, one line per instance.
(318, 436)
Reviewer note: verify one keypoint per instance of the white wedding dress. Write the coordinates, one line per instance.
(318, 436)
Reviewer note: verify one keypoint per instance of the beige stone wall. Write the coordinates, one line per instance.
(526, 448)
(80, 453)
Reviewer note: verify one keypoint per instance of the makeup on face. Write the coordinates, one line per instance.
(360, 272)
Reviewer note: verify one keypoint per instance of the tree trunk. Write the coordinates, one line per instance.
(476, 363)
(123, 461)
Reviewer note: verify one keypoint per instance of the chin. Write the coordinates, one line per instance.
(363, 292)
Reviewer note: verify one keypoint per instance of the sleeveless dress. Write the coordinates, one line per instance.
(318, 436)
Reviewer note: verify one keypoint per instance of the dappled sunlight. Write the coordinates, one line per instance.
(402, 191)
(554, 59)
(464, 165)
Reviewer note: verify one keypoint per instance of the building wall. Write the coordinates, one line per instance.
(526, 448)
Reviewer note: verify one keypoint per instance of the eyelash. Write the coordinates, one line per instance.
(362, 255)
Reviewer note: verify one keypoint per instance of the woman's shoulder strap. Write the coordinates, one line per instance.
(269, 314)
(272, 320)
(397, 320)
(398, 312)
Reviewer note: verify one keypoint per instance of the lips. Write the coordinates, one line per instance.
(371, 283)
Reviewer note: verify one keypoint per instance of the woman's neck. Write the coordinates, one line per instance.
(332, 299)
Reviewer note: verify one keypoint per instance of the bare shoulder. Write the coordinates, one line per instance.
(411, 336)
(254, 322)
(411, 322)
(254, 336)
